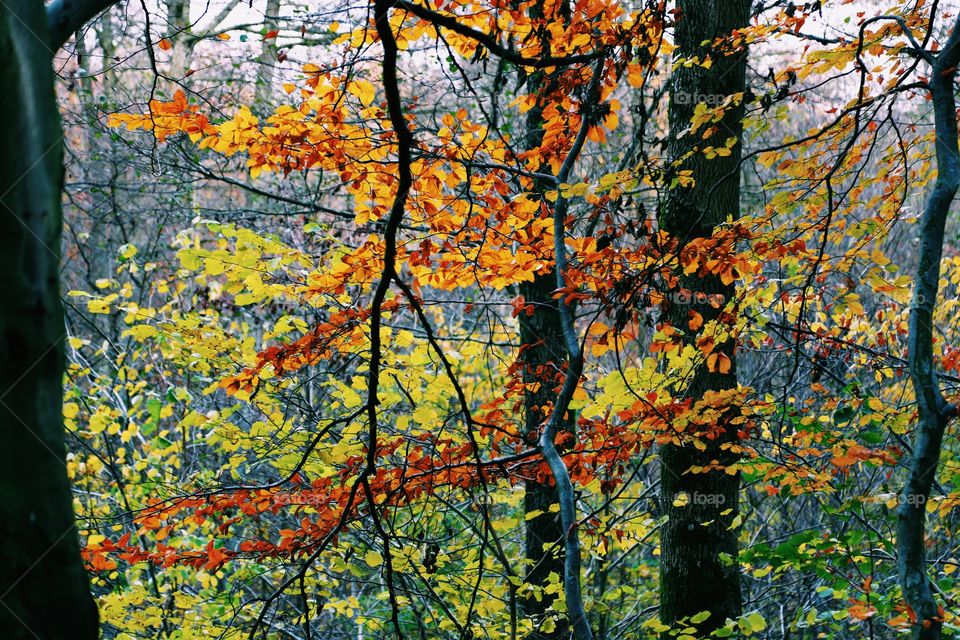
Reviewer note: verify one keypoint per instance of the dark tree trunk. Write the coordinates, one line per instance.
(933, 411)
(542, 357)
(44, 592)
(699, 570)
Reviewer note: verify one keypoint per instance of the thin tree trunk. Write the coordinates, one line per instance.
(179, 33)
(268, 58)
(699, 571)
(44, 591)
(934, 412)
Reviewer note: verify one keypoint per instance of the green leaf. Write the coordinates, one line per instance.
(700, 617)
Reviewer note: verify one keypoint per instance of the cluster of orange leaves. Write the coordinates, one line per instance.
(482, 224)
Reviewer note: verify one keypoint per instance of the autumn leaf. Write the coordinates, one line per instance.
(363, 90)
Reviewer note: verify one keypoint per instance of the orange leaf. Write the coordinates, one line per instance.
(861, 611)
(696, 320)
(723, 363)
(100, 562)
(898, 621)
(712, 362)
(165, 45)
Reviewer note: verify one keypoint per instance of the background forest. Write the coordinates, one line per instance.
(512, 319)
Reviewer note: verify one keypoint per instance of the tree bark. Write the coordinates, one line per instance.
(44, 591)
(542, 358)
(180, 34)
(699, 571)
(268, 58)
(933, 411)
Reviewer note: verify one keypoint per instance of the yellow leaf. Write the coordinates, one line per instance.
(363, 90)
(141, 331)
(760, 573)
(573, 190)
(98, 306)
(425, 416)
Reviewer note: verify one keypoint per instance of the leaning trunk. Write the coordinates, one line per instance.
(932, 409)
(43, 586)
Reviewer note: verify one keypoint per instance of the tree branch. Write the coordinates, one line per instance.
(490, 42)
(64, 17)
(565, 494)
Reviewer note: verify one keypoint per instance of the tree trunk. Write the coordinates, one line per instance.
(699, 571)
(542, 358)
(933, 411)
(44, 590)
(268, 59)
(179, 33)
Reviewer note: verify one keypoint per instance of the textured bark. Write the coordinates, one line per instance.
(699, 570)
(44, 592)
(542, 358)
(934, 412)
(268, 58)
